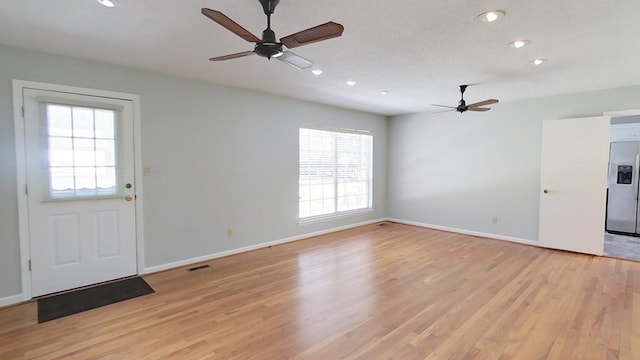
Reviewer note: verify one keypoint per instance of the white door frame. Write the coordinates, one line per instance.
(21, 170)
(612, 114)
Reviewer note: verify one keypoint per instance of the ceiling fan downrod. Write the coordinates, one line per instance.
(269, 47)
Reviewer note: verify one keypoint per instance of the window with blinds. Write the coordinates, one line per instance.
(335, 175)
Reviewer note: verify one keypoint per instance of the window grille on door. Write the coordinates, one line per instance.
(81, 143)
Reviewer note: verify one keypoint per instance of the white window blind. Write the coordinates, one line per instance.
(335, 172)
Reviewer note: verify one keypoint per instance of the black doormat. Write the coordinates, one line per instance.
(57, 306)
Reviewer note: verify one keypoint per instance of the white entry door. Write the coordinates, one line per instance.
(80, 189)
(575, 153)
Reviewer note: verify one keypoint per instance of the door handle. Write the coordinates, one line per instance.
(545, 191)
(128, 197)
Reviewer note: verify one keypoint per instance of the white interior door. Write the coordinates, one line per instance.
(573, 184)
(80, 189)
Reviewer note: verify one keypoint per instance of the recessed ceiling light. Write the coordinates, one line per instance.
(384, 92)
(317, 71)
(519, 44)
(351, 82)
(108, 3)
(538, 62)
(491, 16)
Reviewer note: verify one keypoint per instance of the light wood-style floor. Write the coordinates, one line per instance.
(374, 292)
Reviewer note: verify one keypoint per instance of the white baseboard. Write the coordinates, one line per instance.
(176, 264)
(468, 232)
(198, 259)
(10, 300)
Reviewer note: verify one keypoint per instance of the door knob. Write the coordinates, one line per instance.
(545, 191)
(128, 197)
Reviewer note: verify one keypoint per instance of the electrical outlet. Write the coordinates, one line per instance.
(229, 232)
(494, 220)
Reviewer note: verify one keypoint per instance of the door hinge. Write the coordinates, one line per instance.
(22, 111)
(29, 263)
(26, 189)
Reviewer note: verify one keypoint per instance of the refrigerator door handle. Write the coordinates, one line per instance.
(635, 178)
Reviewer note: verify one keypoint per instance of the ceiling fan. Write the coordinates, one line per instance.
(462, 105)
(268, 46)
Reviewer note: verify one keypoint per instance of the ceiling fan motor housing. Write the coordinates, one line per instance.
(462, 106)
(268, 47)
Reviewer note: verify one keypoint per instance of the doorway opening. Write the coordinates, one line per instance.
(622, 223)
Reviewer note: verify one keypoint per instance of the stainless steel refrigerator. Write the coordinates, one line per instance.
(623, 210)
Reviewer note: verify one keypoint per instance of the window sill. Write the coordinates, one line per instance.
(325, 218)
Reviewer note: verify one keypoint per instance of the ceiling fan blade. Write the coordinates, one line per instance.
(450, 107)
(232, 56)
(478, 109)
(318, 33)
(443, 111)
(230, 25)
(482, 103)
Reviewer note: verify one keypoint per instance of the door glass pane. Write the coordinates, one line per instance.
(82, 157)
(104, 123)
(59, 120)
(82, 119)
(106, 177)
(105, 152)
(61, 180)
(60, 151)
(85, 179)
(83, 152)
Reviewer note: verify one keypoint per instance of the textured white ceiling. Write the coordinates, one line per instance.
(419, 50)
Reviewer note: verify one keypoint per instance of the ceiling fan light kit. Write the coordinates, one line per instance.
(296, 61)
(108, 3)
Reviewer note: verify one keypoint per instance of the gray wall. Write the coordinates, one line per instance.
(458, 171)
(219, 157)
